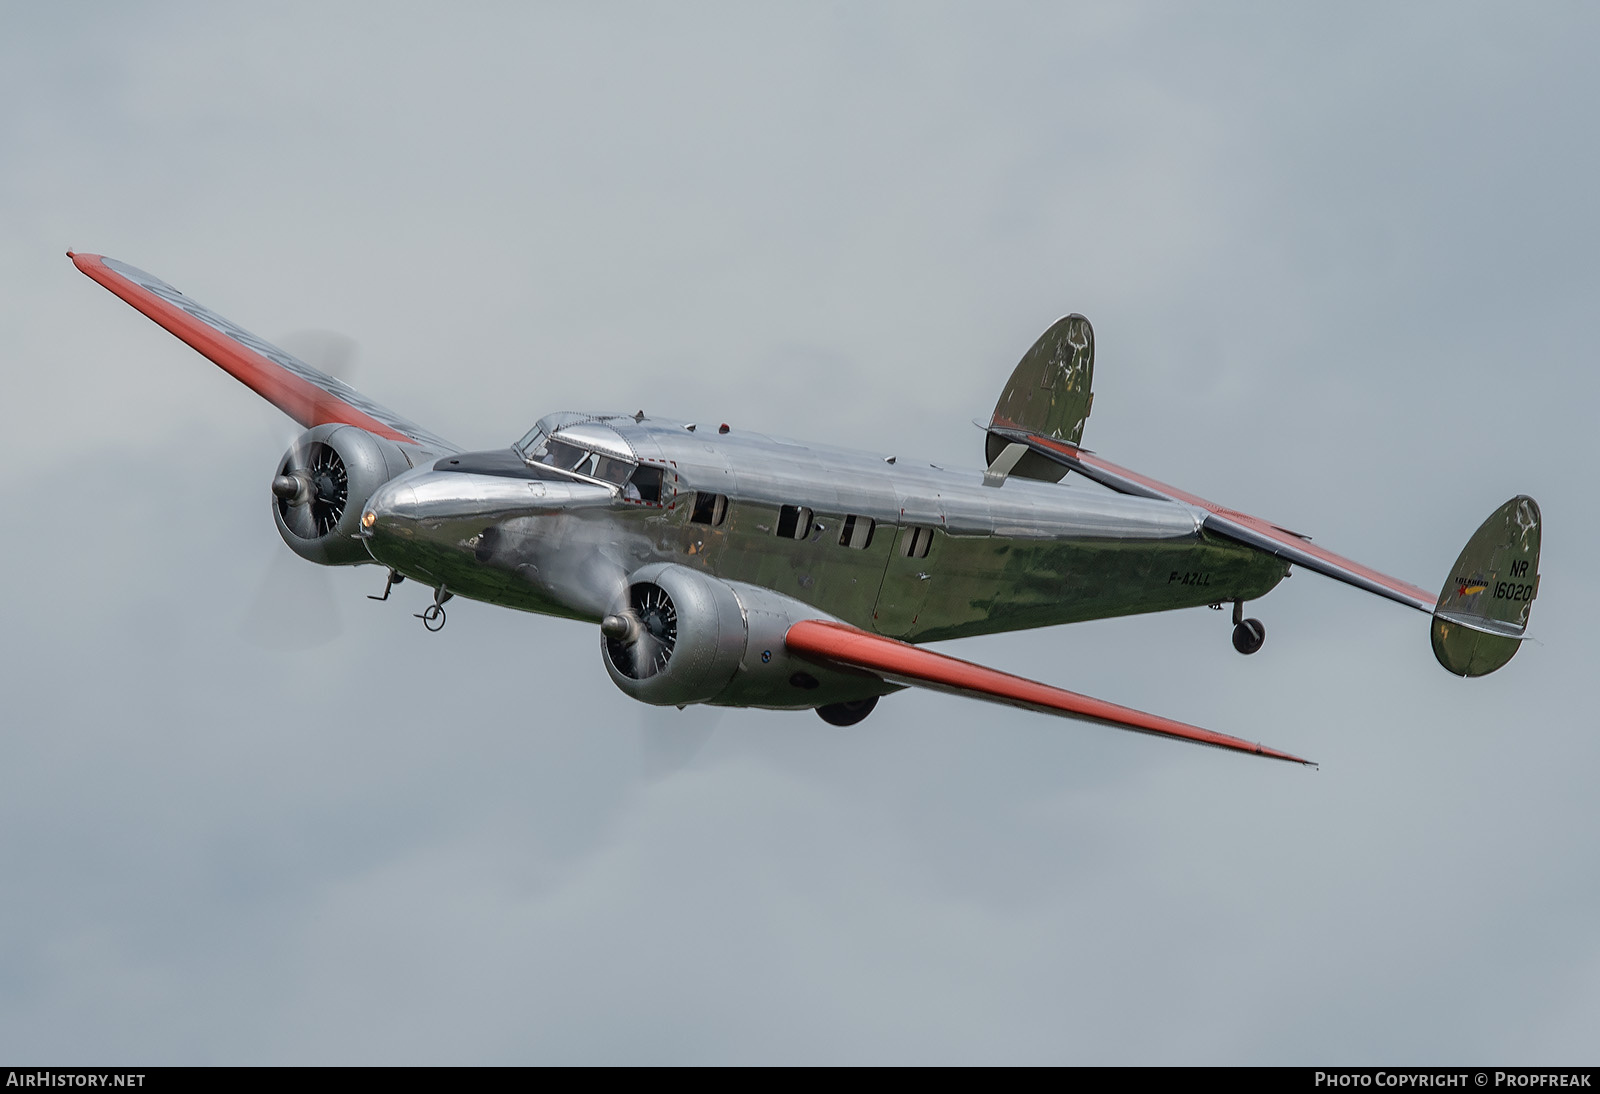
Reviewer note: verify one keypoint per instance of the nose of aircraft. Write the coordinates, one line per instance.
(445, 512)
(391, 521)
(393, 503)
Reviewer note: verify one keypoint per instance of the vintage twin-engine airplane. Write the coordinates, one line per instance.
(736, 569)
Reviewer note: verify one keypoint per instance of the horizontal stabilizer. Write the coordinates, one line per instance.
(307, 395)
(902, 663)
(1483, 609)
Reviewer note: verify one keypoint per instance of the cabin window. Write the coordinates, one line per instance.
(794, 522)
(709, 509)
(857, 532)
(916, 541)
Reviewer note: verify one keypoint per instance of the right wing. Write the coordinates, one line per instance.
(1479, 618)
(1260, 534)
(902, 663)
(307, 395)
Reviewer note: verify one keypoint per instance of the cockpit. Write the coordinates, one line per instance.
(585, 447)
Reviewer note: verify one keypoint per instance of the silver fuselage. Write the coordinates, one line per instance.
(947, 556)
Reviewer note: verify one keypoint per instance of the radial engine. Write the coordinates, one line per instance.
(684, 637)
(323, 482)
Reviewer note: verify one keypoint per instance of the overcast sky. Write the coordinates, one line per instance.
(1341, 266)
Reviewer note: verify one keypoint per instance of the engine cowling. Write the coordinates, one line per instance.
(322, 484)
(684, 637)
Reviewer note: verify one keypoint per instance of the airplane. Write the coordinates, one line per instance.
(736, 569)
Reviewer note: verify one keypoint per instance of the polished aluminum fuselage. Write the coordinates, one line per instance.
(1019, 555)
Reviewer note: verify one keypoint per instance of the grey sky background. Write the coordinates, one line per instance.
(1341, 269)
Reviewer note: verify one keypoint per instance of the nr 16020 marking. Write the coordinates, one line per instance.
(1512, 590)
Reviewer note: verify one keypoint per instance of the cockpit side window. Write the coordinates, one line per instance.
(568, 457)
(647, 480)
(537, 447)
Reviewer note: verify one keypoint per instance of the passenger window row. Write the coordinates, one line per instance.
(797, 521)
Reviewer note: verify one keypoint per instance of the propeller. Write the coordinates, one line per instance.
(294, 607)
(640, 640)
(325, 350)
(670, 739)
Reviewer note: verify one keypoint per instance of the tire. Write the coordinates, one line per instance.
(1249, 636)
(847, 714)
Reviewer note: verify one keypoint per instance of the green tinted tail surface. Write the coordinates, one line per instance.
(1483, 609)
(1049, 393)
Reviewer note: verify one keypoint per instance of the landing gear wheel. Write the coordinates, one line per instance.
(1249, 635)
(847, 714)
(433, 615)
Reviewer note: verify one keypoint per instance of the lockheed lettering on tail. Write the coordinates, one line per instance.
(726, 567)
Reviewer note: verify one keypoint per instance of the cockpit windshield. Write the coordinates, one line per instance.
(581, 452)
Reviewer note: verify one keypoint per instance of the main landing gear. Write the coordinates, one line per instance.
(847, 713)
(1248, 634)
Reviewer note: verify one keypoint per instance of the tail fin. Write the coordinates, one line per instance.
(1048, 395)
(1482, 614)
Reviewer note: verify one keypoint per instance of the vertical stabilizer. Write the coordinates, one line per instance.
(1482, 612)
(1049, 395)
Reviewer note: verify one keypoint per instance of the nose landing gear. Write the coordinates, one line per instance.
(1248, 634)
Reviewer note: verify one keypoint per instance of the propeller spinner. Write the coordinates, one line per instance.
(641, 639)
(313, 489)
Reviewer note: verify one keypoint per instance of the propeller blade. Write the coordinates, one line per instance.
(324, 350)
(293, 608)
(670, 739)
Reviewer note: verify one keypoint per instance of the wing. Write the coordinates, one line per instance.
(308, 396)
(902, 663)
(1260, 534)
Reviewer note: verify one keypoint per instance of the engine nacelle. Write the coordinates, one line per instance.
(688, 637)
(322, 485)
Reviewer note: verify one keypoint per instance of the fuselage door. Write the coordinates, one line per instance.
(908, 579)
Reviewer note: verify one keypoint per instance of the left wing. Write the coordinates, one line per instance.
(309, 396)
(902, 663)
